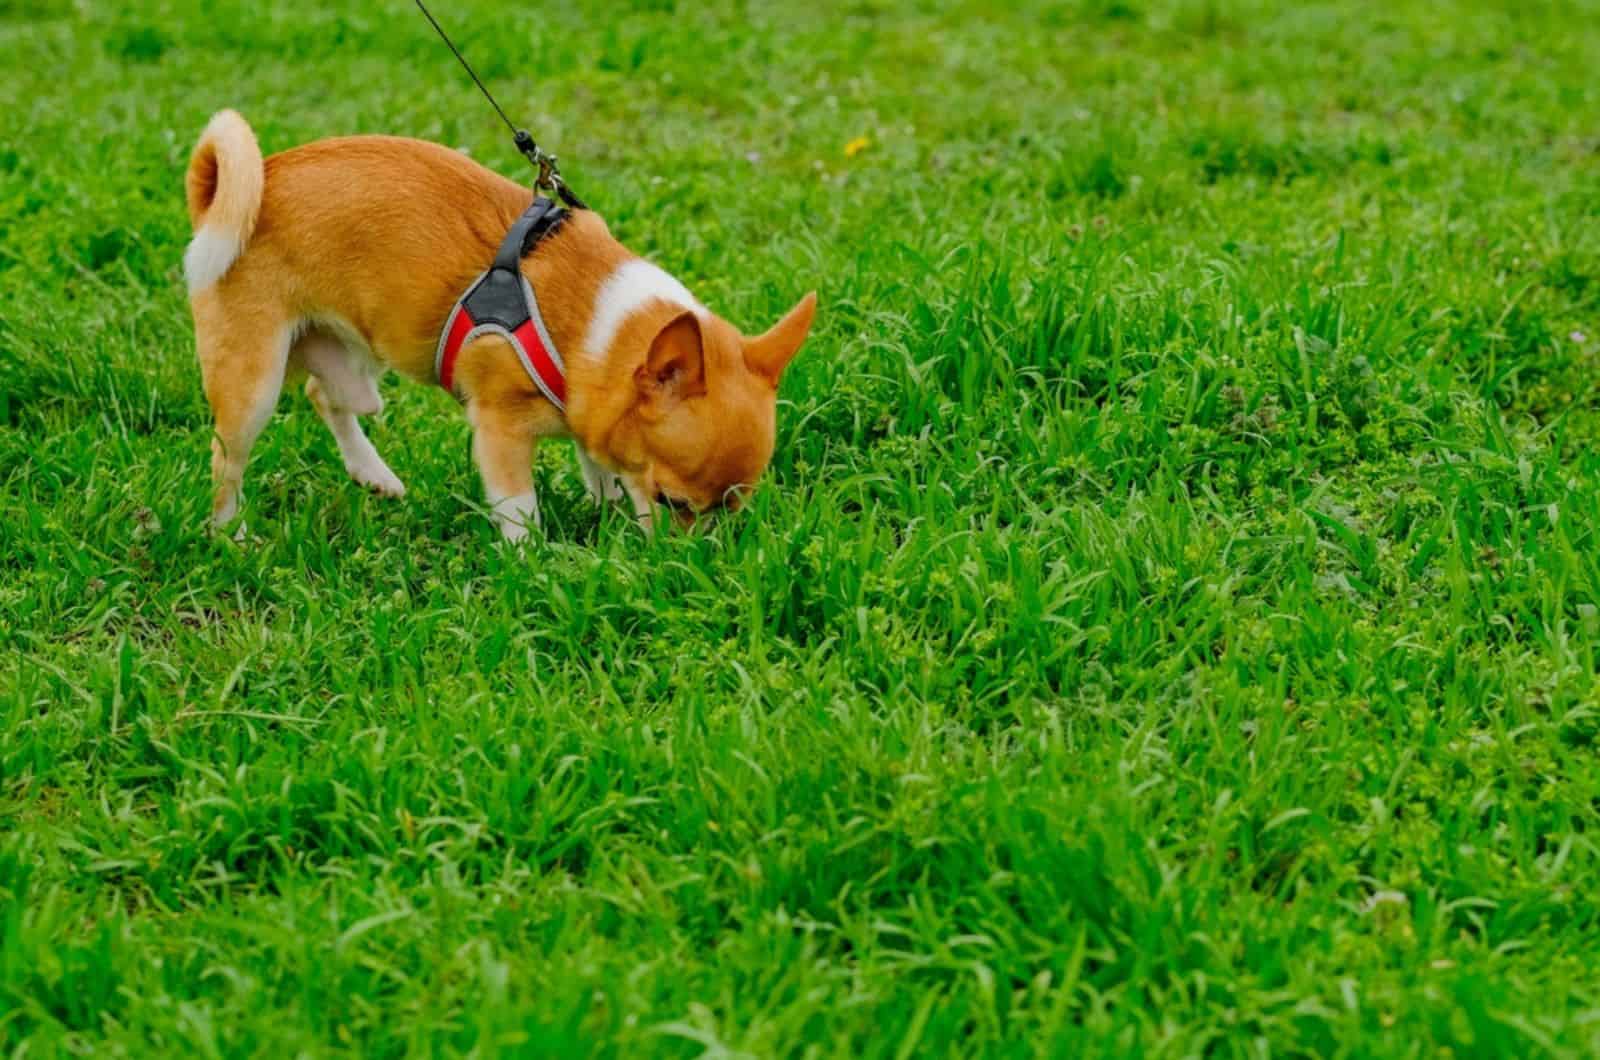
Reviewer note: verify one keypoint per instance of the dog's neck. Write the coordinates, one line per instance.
(597, 296)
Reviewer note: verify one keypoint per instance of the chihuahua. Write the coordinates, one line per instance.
(343, 257)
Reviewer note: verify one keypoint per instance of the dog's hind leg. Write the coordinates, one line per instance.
(243, 351)
(342, 387)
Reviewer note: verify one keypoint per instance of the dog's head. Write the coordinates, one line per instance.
(702, 404)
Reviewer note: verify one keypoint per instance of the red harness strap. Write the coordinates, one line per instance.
(501, 302)
(529, 339)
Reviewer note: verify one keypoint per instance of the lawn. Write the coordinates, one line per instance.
(1168, 627)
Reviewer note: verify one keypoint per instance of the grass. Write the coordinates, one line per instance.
(1169, 627)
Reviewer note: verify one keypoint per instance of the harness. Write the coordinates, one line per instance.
(501, 302)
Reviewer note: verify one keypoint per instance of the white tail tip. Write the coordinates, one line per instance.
(209, 257)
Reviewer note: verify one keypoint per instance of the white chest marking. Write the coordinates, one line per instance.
(626, 291)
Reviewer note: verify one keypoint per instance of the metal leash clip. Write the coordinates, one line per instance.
(549, 174)
(549, 178)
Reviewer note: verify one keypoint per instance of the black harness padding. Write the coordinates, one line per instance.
(501, 302)
(498, 298)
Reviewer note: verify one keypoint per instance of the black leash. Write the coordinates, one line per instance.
(549, 175)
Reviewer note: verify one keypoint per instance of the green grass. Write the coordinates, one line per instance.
(1169, 626)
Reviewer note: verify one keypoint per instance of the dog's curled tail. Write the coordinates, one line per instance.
(223, 186)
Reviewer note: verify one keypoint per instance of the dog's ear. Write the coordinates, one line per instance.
(768, 355)
(675, 367)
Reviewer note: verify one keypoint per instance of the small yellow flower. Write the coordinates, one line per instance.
(856, 146)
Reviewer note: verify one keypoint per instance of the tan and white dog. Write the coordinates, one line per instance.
(342, 257)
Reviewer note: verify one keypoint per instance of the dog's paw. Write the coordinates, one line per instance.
(604, 488)
(517, 516)
(236, 531)
(377, 478)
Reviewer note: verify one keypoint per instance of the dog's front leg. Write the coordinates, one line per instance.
(602, 485)
(643, 500)
(502, 444)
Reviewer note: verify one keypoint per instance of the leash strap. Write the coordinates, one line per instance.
(501, 302)
(549, 177)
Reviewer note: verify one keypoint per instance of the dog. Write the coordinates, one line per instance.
(344, 257)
